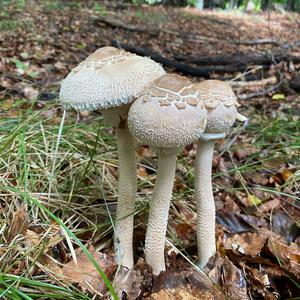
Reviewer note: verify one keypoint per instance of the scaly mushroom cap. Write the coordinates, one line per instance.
(220, 102)
(108, 78)
(169, 113)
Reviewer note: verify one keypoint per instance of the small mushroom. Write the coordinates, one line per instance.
(219, 120)
(109, 80)
(167, 129)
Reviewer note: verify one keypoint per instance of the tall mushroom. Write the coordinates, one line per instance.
(221, 103)
(167, 117)
(109, 80)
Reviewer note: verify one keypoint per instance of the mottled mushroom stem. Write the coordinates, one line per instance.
(159, 211)
(127, 190)
(127, 185)
(204, 197)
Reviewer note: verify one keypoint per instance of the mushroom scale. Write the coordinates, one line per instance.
(157, 120)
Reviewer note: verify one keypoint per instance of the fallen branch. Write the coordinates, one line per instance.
(243, 59)
(258, 42)
(115, 23)
(253, 83)
(180, 67)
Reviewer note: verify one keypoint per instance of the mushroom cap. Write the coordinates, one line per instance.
(169, 113)
(108, 78)
(220, 102)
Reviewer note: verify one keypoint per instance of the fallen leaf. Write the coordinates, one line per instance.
(248, 243)
(288, 254)
(253, 200)
(232, 280)
(6, 104)
(270, 205)
(278, 97)
(85, 274)
(18, 224)
(128, 283)
(283, 224)
(141, 172)
(32, 238)
(184, 231)
(30, 93)
(283, 176)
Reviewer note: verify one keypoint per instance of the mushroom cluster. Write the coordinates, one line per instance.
(166, 112)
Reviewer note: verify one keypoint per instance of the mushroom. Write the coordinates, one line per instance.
(109, 80)
(221, 104)
(167, 117)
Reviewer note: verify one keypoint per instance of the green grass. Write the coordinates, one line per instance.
(29, 163)
(73, 184)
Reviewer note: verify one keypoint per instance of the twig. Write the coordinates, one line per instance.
(260, 93)
(257, 42)
(246, 84)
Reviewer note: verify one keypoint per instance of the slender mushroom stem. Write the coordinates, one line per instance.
(204, 197)
(159, 212)
(127, 190)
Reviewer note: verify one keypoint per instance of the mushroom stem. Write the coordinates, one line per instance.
(159, 212)
(205, 201)
(127, 190)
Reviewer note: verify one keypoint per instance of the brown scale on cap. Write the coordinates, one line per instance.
(180, 105)
(173, 90)
(108, 54)
(192, 101)
(220, 102)
(214, 92)
(174, 83)
(104, 53)
(103, 57)
(164, 103)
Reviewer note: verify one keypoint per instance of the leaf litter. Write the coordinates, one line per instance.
(256, 179)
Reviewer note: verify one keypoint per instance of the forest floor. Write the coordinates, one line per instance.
(55, 195)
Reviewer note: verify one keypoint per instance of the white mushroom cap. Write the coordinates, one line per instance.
(221, 104)
(169, 113)
(108, 78)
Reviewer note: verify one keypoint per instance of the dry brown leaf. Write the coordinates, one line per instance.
(269, 205)
(85, 274)
(226, 274)
(128, 282)
(30, 93)
(248, 243)
(18, 224)
(184, 231)
(287, 254)
(141, 172)
(32, 238)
